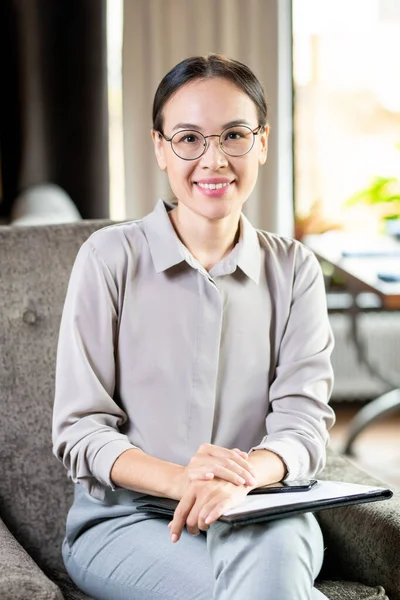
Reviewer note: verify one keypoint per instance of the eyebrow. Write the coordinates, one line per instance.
(198, 128)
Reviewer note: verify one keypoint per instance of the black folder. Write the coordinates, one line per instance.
(265, 507)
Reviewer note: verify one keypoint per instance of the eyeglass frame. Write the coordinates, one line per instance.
(255, 132)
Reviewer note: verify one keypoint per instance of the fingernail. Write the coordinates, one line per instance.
(174, 538)
(241, 480)
(252, 481)
(169, 525)
(208, 520)
(210, 475)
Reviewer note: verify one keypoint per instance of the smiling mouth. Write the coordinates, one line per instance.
(213, 186)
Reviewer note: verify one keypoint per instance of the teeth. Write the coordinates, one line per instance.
(212, 186)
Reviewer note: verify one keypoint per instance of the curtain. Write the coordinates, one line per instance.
(160, 33)
(53, 111)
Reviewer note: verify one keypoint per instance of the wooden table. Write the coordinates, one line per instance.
(359, 261)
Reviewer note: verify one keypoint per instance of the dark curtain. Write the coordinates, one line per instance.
(53, 105)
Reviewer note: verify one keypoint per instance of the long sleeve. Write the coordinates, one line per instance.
(299, 417)
(86, 417)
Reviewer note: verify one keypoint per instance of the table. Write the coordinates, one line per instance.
(359, 261)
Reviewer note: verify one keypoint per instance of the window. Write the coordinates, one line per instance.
(346, 59)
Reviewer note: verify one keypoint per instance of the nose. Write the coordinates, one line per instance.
(214, 157)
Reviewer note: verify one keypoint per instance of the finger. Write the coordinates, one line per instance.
(180, 515)
(215, 511)
(230, 475)
(234, 474)
(230, 459)
(203, 514)
(212, 510)
(241, 453)
(192, 521)
(193, 529)
(200, 475)
(233, 456)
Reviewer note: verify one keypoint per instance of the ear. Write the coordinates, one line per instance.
(159, 149)
(263, 145)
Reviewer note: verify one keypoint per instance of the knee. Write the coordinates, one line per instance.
(274, 559)
(291, 541)
(294, 534)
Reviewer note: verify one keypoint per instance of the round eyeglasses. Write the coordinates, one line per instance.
(233, 141)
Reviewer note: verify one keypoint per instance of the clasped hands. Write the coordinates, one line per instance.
(215, 480)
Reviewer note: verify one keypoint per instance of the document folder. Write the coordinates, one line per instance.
(265, 507)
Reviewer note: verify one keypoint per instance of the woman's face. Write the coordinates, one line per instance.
(208, 106)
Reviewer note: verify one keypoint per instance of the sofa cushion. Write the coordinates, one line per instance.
(349, 590)
(20, 577)
(362, 541)
(35, 264)
(67, 586)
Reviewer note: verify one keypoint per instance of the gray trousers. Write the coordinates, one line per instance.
(113, 552)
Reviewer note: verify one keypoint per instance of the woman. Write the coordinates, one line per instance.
(193, 363)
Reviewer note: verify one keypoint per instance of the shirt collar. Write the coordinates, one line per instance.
(248, 250)
(162, 239)
(167, 251)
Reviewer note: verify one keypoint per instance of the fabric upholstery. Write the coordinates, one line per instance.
(363, 540)
(35, 494)
(20, 577)
(345, 590)
(35, 262)
(67, 586)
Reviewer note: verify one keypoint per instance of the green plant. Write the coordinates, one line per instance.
(381, 191)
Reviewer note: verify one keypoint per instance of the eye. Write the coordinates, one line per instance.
(188, 138)
(234, 135)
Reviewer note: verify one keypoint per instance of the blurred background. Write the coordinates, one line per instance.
(78, 79)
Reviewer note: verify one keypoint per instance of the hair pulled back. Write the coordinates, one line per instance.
(208, 67)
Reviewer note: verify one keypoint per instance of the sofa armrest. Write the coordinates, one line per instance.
(20, 577)
(362, 541)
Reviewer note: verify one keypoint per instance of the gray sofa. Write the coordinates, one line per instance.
(362, 542)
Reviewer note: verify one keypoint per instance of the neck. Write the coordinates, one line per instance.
(208, 240)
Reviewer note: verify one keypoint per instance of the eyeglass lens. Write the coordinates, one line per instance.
(235, 141)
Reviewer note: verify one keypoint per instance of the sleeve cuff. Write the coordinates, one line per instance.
(106, 457)
(286, 453)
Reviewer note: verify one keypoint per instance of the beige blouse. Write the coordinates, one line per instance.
(157, 353)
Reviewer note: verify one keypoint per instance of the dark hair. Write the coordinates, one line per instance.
(204, 67)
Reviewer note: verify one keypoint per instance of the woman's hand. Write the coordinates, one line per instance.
(203, 503)
(211, 462)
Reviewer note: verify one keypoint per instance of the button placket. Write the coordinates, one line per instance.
(207, 363)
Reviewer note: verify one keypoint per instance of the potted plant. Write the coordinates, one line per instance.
(382, 194)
